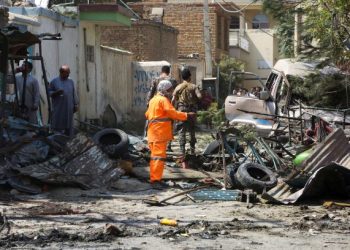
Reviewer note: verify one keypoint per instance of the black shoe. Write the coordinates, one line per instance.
(159, 185)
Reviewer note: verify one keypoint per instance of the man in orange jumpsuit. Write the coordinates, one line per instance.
(160, 114)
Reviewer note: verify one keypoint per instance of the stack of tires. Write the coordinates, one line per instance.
(251, 176)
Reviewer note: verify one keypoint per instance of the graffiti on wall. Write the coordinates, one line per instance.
(142, 84)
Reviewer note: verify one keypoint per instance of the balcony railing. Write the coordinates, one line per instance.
(237, 40)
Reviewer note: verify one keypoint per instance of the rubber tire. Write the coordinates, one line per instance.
(214, 146)
(247, 181)
(112, 136)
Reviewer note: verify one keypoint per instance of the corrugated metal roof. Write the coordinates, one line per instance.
(335, 148)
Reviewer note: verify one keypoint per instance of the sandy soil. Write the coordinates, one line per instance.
(68, 218)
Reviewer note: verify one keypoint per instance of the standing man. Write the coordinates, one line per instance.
(28, 93)
(160, 114)
(64, 101)
(164, 75)
(186, 96)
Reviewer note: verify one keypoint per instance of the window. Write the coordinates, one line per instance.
(90, 55)
(260, 21)
(234, 24)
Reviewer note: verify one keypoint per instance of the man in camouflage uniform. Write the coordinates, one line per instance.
(186, 96)
(164, 75)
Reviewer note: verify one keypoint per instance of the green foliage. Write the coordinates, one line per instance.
(320, 90)
(325, 27)
(247, 133)
(285, 28)
(212, 116)
(226, 65)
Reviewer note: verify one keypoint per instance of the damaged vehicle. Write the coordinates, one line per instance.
(259, 104)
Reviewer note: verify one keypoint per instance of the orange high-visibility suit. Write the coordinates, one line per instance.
(160, 114)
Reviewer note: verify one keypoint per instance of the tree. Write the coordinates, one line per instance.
(226, 65)
(325, 27)
(285, 28)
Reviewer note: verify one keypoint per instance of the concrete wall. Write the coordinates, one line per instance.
(263, 52)
(116, 85)
(142, 75)
(106, 87)
(88, 77)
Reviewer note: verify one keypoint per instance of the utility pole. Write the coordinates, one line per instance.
(207, 42)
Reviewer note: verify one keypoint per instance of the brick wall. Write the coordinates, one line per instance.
(147, 40)
(188, 20)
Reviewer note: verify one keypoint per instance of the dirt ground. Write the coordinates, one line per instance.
(71, 218)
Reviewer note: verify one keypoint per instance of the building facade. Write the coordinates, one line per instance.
(148, 40)
(187, 17)
(252, 38)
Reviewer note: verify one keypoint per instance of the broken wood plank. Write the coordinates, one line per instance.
(170, 173)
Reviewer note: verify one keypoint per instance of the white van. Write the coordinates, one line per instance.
(259, 103)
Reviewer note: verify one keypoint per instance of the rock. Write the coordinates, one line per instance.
(111, 229)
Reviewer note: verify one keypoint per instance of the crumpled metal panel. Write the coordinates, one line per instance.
(331, 180)
(335, 148)
(82, 163)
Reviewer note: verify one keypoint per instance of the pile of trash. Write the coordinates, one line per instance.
(32, 157)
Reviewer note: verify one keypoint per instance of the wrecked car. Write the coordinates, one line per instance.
(260, 103)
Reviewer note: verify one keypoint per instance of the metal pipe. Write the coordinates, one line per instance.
(207, 40)
(3, 76)
(223, 159)
(46, 82)
(275, 116)
(127, 6)
(85, 61)
(301, 124)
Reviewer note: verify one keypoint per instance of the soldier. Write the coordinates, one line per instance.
(186, 96)
(164, 75)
